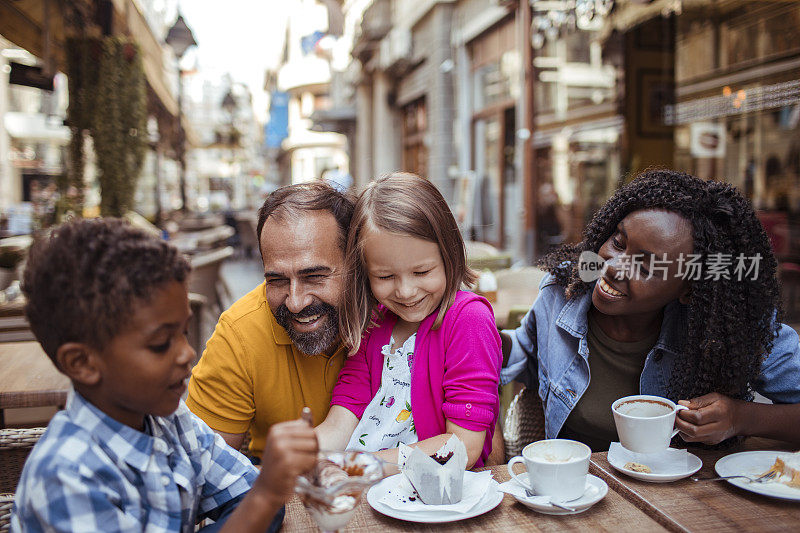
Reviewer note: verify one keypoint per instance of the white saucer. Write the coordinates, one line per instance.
(694, 464)
(490, 500)
(596, 490)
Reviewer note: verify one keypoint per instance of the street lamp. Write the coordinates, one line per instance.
(180, 38)
(231, 140)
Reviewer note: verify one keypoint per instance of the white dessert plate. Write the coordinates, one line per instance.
(596, 489)
(491, 499)
(693, 465)
(754, 464)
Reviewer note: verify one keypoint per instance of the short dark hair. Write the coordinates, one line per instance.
(314, 196)
(81, 282)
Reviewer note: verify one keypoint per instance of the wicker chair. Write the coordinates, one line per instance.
(524, 422)
(15, 445)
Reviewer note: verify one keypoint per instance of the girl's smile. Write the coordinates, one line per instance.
(406, 274)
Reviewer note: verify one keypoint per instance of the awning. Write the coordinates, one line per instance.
(22, 23)
(628, 14)
(152, 53)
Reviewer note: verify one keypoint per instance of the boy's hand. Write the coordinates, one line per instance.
(290, 450)
(710, 419)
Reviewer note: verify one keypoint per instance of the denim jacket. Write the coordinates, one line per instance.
(556, 329)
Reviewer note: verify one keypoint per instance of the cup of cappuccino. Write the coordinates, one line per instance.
(645, 424)
(556, 468)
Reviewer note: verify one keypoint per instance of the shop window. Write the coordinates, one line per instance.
(415, 127)
(498, 81)
(743, 125)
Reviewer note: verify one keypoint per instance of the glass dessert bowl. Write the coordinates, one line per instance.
(332, 490)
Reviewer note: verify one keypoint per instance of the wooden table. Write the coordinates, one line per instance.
(712, 506)
(15, 307)
(612, 513)
(29, 378)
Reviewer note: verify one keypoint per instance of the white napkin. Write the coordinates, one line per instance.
(514, 488)
(668, 462)
(436, 484)
(476, 486)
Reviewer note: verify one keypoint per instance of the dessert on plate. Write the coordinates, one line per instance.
(438, 479)
(637, 467)
(787, 469)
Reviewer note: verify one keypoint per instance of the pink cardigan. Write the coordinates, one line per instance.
(454, 376)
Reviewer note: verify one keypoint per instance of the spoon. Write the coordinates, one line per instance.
(531, 494)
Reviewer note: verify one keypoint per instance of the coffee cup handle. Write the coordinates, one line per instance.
(677, 408)
(511, 463)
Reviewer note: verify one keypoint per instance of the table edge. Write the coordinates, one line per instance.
(636, 499)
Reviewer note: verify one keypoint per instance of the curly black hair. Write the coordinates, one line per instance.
(731, 323)
(82, 281)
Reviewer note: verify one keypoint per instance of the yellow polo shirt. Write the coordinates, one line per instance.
(251, 375)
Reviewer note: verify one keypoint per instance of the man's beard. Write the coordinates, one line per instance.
(317, 341)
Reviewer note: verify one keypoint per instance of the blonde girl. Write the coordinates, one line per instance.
(424, 356)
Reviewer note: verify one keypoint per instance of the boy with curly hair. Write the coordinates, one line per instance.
(108, 304)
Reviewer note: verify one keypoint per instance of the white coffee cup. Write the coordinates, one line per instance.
(556, 468)
(645, 424)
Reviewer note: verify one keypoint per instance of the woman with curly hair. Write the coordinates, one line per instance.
(686, 307)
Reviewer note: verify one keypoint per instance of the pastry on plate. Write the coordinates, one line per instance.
(787, 469)
(637, 467)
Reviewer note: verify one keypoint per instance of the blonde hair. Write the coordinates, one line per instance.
(405, 204)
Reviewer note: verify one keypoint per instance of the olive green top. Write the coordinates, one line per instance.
(614, 371)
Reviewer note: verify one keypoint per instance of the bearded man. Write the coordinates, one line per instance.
(277, 349)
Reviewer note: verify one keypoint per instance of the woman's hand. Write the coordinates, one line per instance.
(710, 419)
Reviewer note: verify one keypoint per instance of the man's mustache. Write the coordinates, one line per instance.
(321, 308)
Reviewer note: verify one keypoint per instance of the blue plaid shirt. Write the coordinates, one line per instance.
(89, 472)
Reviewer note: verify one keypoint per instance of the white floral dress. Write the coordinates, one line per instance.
(387, 420)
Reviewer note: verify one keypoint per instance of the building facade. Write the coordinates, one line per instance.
(32, 112)
(528, 115)
(303, 81)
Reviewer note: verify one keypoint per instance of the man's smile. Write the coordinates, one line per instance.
(307, 324)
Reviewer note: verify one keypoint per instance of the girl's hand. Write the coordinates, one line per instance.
(710, 419)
